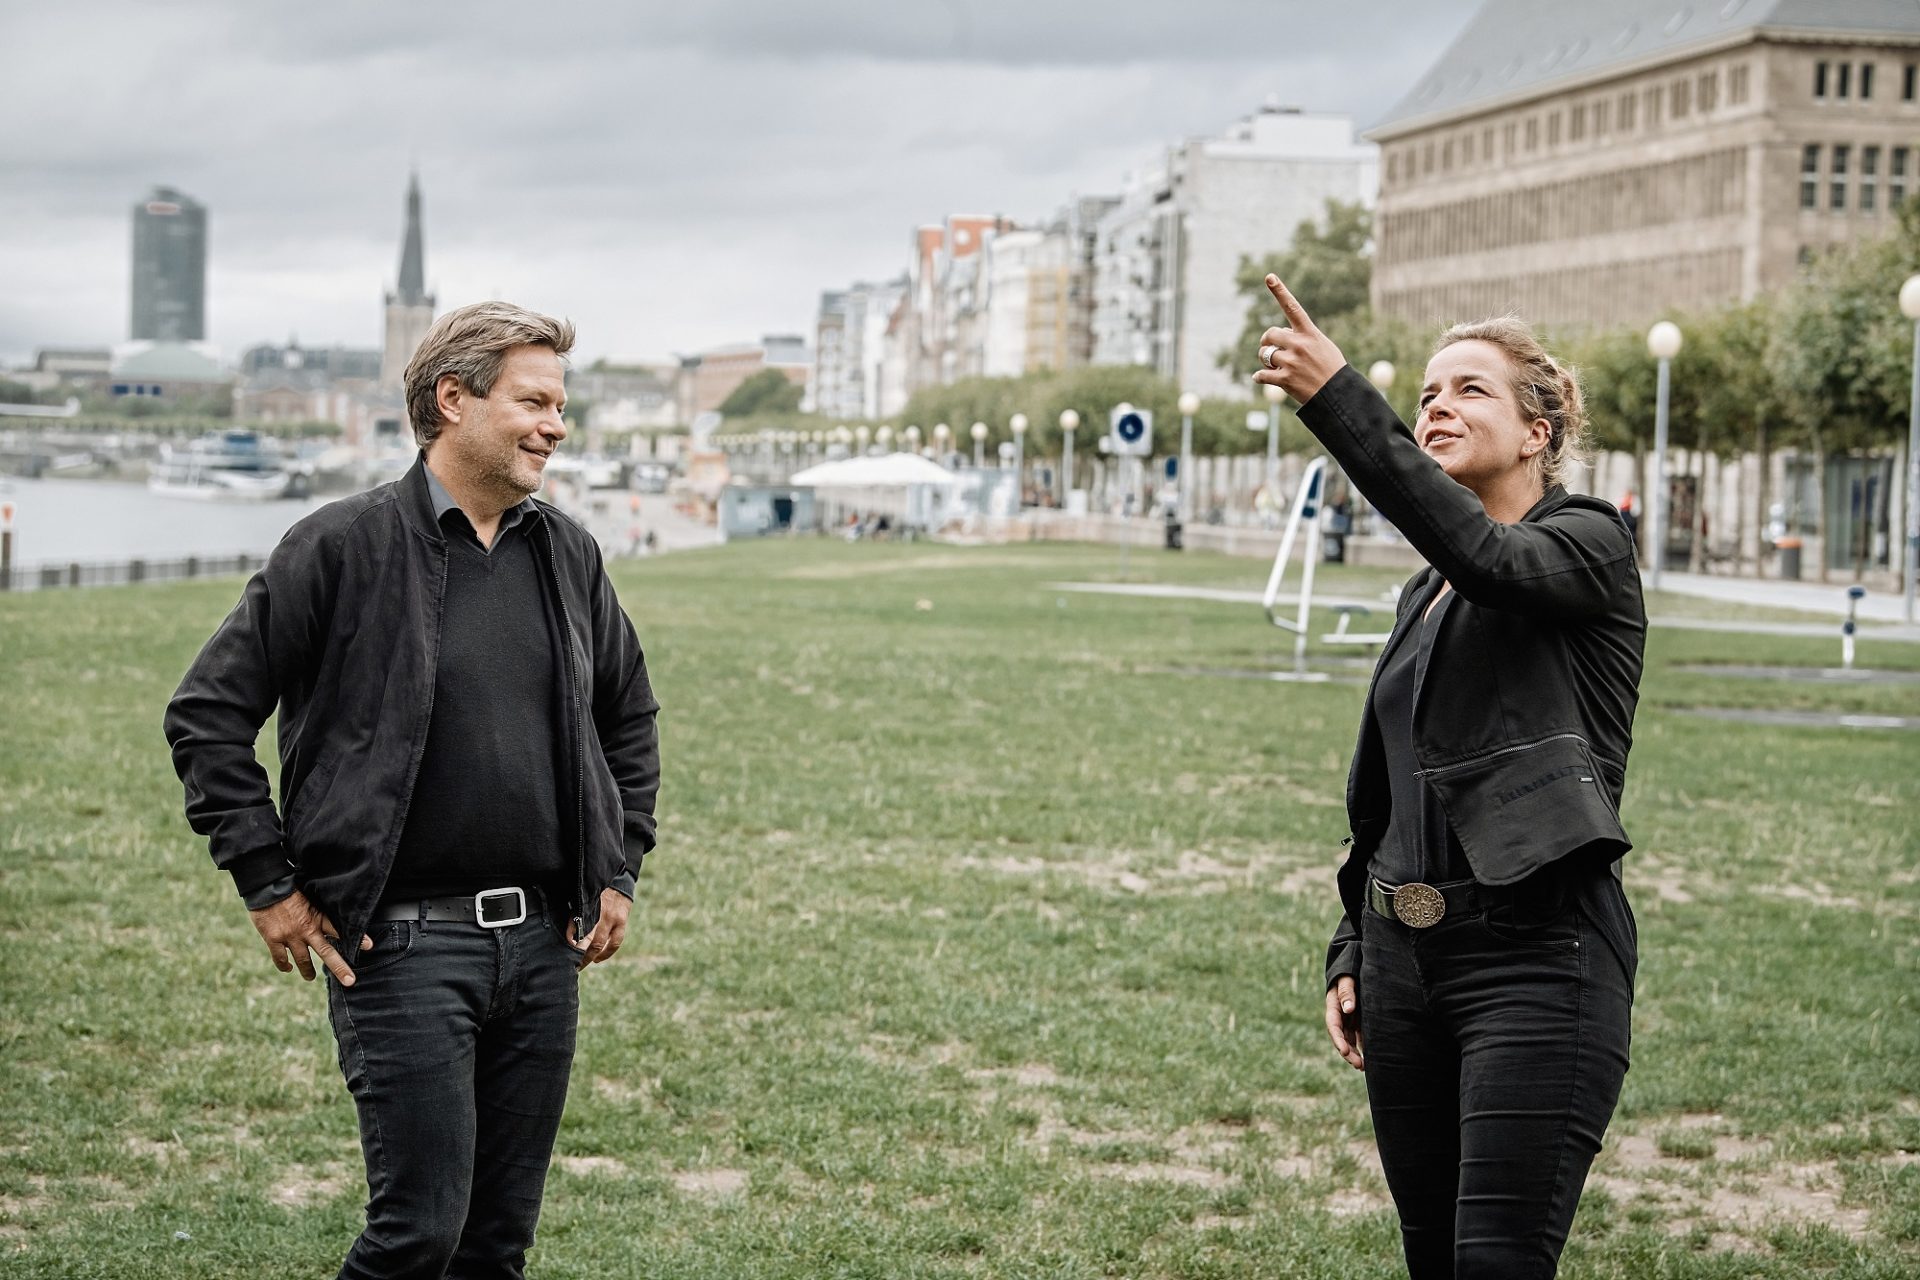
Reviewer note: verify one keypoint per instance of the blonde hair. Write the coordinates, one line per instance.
(1544, 387)
(471, 343)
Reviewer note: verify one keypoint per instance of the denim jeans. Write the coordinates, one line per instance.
(1496, 1043)
(456, 1042)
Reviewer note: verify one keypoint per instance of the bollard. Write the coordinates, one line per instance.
(1848, 627)
(73, 574)
(137, 571)
(193, 566)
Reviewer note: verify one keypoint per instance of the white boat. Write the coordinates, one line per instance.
(229, 465)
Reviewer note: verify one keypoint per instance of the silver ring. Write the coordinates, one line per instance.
(1267, 354)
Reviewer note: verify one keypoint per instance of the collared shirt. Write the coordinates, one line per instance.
(443, 503)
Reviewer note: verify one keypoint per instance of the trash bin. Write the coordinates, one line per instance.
(1789, 549)
(1175, 535)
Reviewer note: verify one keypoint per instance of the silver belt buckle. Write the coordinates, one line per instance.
(480, 907)
(1419, 906)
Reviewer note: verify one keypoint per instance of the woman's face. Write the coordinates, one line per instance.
(1470, 421)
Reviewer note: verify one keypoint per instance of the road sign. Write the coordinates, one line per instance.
(1132, 430)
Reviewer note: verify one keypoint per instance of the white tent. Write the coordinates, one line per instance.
(894, 471)
(913, 491)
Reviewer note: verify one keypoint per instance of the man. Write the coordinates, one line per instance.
(468, 765)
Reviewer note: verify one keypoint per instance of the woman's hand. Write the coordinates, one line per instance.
(1299, 360)
(1343, 1021)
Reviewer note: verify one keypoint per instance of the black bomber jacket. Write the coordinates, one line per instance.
(1524, 727)
(340, 631)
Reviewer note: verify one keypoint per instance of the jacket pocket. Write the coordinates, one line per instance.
(1522, 807)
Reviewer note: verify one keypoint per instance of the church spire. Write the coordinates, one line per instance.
(413, 267)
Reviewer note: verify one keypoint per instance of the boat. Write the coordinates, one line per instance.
(225, 465)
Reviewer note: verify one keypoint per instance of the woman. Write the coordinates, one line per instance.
(1486, 958)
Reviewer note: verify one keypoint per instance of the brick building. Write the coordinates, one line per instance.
(1600, 165)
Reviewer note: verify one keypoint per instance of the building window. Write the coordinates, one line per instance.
(1869, 176)
(1842, 79)
(1602, 114)
(1896, 175)
(1508, 132)
(1819, 79)
(1533, 133)
(1737, 86)
(1426, 158)
(1810, 177)
(1446, 156)
(1577, 124)
(1906, 82)
(1486, 144)
(1681, 92)
(1866, 80)
(1709, 91)
(1627, 103)
(1466, 149)
(1654, 98)
(1837, 179)
(1553, 129)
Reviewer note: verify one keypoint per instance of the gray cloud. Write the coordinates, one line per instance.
(671, 176)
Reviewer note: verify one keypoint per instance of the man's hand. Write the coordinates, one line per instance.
(1299, 360)
(609, 933)
(1343, 1021)
(291, 927)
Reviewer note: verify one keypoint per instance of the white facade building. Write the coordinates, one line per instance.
(1167, 254)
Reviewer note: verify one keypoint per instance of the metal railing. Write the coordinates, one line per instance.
(120, 573)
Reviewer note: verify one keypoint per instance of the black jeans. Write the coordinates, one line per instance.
(1496, 1043)
(456, 1043)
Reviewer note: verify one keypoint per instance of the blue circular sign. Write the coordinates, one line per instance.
(1130, 428)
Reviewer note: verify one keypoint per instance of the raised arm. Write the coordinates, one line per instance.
(1569, 564)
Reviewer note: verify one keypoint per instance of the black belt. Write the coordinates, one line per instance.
(490, 908)
(1420, 906)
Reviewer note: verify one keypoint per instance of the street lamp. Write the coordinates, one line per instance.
(979, 433)
(884, 437)
(1663, 344)
(1910, 308)
(1380, 374)
(1018, 425)
(912, 435)
(1189, 405)
(1274, 398)
(860, 435)
(1069, 420)
(940, 435)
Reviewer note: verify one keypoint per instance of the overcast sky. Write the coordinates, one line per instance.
(672, 176)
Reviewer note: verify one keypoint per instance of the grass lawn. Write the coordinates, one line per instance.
(970, 949)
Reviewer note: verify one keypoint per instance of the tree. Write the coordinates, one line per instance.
(1843, 350)
(1329, 267)
(768, 391)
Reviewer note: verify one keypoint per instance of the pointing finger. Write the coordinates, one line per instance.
(331, 958)
(1296, 314)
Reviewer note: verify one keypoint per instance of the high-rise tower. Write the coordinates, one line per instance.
(169, 268)
(410, 307)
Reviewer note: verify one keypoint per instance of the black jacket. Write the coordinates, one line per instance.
(1523, 734)
(341, 631)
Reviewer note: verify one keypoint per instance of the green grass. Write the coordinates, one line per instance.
(969, 950)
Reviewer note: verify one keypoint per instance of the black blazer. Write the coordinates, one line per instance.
(1524, 727)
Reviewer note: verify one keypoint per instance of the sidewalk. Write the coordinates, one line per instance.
(1813, 597)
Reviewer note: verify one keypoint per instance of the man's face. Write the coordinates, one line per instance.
(501, 442)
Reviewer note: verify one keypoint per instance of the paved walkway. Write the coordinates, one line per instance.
(1675, 582)
(1813, 597)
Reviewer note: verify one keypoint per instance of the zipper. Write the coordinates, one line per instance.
(1503, 751)
(420, 747)
(579, 745)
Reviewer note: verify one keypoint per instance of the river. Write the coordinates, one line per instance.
(113, 521)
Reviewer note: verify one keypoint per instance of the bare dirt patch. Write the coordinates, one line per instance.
(711, 1182)
(592, 1166)
(1183, 1175)
(1734, 1188)
(310, 1186)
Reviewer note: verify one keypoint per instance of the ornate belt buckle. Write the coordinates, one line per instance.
(1419, 906)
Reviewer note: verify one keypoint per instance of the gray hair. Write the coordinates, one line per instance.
(471, 343)
(1544, 387)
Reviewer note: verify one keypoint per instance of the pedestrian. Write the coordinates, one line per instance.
(468, 765)
(1631, 519)
(1482, 976)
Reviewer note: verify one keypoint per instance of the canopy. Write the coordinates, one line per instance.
(894, 471)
